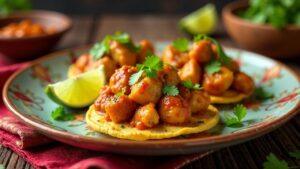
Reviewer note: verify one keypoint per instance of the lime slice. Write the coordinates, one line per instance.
(78, 91)
(202, 21)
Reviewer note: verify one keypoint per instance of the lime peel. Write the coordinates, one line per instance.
(78, 91)
(201, 21)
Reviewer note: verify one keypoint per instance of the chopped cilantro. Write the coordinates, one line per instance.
(150, 67)
(240, 112)
(262, 94)
(60, 114)
(170, 90)
(212, 67)
(274, 163)
(295, 154)
(122, 38)
(100, 48)
(223, 57)
(189, 84)
(181, 44)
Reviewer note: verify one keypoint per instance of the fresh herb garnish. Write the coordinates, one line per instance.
(262, 94)
(100, 48)
(181, 44)
(150, 67)
(8, 6)
(60, 114)
(170, 90)
(278, 13)
(274, 163)
(122, 38)
(240, 112)
(295, 154)
(189, 84)
(212, 67)
(223, 57)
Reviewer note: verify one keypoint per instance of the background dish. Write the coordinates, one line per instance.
(27, 100)
(271, 42)
(29, 47)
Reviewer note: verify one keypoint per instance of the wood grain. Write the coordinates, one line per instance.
(249, 155)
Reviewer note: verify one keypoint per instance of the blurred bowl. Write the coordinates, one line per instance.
(261, 38)
(25, 48)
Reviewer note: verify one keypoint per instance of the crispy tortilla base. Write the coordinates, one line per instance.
(97, 122)
(228, 97)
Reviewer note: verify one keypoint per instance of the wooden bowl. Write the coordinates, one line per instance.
(30, 47)
(261, 38)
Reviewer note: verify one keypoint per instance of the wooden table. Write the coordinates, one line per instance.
(252, 154)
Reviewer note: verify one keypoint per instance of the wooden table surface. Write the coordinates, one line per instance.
(252, 154)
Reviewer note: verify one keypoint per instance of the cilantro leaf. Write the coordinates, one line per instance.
(100, 48)
(212, 67)
(60, 114)
(135, 77)
(261, 94)
(122, 38)
(181, 44)
(170, 90)
(8, 6)
(223, 57)
(152, 73)
(132, 47)
(240, 113)
(189, 84)
(153, 62)
(274, 163)
(151, 65)
(295, 154)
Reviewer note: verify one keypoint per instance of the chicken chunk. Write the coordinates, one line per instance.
(219, 82)
(122, 55)
(147, 90)
(109, 66)
(146, 49)
(120, 108)
(119, 80)
(103, 99)
(174, 57)
(233, 66)
(190, 71)
(83, 62)
(199, 101)
(145, 117)
(184, 92)
(243, 83)
(201, 51)
(174, 110)
(169, 75)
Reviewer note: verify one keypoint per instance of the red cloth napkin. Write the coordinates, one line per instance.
(43, 152)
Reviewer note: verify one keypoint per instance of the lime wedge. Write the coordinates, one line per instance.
(202, 21)
(78, 91)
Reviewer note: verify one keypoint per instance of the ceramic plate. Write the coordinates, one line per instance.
(24, 96)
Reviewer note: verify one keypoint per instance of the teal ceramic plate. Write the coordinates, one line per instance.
(24, 96)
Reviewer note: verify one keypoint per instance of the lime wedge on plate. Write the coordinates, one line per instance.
(78, 91)
(202, 21)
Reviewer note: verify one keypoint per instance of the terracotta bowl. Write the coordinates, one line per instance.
(261, 38)
(30, 47)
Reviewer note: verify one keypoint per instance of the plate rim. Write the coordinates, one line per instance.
(189, 142)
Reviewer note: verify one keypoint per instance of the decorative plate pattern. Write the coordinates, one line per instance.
(24, 95)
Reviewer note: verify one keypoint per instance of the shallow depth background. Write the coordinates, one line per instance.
(125, 6)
